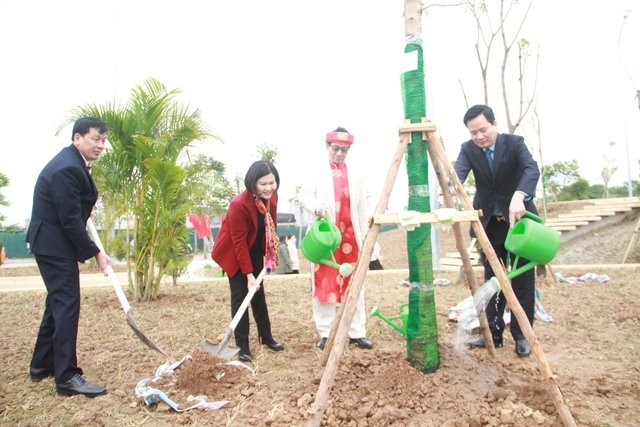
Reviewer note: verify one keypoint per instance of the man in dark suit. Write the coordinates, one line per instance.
(63, 199)
(506, 176)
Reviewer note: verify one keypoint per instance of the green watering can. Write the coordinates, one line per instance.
(529, 238)
(404, 317)
(319, 243)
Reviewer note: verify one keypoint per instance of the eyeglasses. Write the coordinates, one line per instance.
(336, 148)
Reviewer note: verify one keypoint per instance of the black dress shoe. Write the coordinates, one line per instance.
(321, 343)
(38, 374)
(479, 342)
(275, 346)
(522, 348)
(78, 385)
(245, 357)
(361, 342)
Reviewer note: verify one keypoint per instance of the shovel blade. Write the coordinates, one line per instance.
(224, 352)
(136, 330)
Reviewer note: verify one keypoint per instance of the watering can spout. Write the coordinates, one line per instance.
(404, 317)
(345, 269)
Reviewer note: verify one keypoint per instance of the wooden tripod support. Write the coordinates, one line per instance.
(445, 173)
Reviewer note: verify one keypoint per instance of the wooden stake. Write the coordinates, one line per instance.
(632, 241)
(340, 329)
(438, 160)
(505, 285)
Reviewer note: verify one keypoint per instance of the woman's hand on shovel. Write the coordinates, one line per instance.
(252, 283)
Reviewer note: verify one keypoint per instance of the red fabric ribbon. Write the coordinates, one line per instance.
(330, 286)
(271, 260)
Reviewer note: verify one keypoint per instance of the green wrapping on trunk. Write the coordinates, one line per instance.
(422, 330)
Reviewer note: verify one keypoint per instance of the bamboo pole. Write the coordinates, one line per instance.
(632, 241)
(438, 162)
(552, 387)
(338, 335)
(427, 217)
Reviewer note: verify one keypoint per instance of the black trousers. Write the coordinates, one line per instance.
(56, 343)
(239, 290)
(523, 285)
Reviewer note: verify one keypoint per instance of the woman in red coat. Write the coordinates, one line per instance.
(247, 243)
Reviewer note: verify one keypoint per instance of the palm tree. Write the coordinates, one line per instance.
(142, 182)
(4, 181)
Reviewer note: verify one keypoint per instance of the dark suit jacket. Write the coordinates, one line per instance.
(63, 198)
(514, 169)
(238, 232)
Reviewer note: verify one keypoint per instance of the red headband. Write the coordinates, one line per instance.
(344, 137)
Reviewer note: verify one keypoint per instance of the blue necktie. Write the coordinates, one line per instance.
(488, 154)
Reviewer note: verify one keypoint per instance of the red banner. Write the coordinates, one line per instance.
(201, 224)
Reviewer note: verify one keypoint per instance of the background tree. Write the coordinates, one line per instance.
(494, 20)
(537, 128)
(579, 190)
(209, 189)
(608, 170)
(499, 25)
(268, 152)
(4, 181)
(559, 175)
(239, 182)
(142, 183)
(623, 190)
(11, 228)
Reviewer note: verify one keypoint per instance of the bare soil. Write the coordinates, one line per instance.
(591, 346)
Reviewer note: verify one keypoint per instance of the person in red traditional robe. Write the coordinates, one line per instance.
(339, 192)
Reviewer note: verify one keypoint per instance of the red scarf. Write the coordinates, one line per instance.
(271, 260)
(330, 286)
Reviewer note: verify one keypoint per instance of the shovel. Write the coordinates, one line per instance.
(223, 350)
(120, 293)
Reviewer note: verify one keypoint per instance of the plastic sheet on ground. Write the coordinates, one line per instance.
(465, 313)
(152, 395)
(540, 313)
(585, 278)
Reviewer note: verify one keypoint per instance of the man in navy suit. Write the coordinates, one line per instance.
(506, 176)
(63, 199)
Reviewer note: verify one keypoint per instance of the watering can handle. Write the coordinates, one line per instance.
(326, 217)
(533, 216)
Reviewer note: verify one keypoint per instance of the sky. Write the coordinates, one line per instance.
(284, 73)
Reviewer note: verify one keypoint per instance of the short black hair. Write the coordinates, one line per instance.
(84, 124)
(256, 171)
(478, 109)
